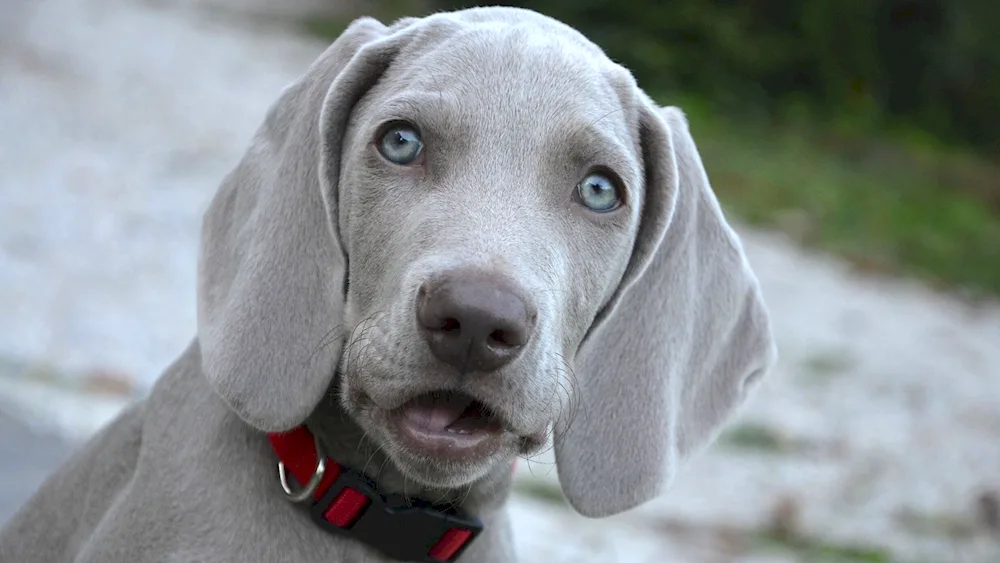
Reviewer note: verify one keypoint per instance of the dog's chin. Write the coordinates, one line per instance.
(444, 438)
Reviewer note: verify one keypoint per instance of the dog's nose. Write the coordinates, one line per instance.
(474, 322)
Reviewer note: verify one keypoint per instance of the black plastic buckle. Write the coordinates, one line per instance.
(400, 529)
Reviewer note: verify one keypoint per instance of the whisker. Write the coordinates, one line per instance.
(566, 385)
(465, 497)
(326, 340)
(359, 334)
(371, 457)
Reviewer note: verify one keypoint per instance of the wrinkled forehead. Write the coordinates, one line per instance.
(530, 83)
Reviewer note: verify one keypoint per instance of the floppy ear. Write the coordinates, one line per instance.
(271, 268)
(683, 341)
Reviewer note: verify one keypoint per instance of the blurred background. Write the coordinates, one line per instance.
(854, 143)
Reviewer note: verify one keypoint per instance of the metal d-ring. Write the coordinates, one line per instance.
(314, 481)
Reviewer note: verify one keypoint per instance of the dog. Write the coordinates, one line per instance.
(453, 240)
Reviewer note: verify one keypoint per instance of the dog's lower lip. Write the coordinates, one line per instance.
(447, 440)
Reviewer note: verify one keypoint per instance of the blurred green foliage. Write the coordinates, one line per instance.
(888, 206)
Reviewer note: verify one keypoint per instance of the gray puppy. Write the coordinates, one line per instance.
(453, 238)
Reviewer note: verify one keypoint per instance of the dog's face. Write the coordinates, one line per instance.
(489, 205)
(493, 233)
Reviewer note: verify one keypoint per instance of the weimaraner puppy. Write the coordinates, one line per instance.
(452, 239)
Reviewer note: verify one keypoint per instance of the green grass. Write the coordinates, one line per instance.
(818, 551)
(824, 365)
(899, 206)
(754, 437)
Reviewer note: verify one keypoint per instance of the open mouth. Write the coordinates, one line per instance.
(447, 422)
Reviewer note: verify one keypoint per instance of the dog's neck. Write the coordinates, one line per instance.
(346, 443)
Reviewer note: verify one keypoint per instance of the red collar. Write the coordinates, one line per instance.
(345, 502)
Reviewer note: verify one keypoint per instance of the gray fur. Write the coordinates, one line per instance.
(651, 328)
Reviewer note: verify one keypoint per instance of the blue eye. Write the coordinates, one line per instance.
(400, 144)
(599, 193)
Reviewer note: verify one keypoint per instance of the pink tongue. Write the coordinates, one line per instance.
(436, 414)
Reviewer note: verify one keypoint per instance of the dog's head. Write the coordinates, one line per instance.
(490, 232)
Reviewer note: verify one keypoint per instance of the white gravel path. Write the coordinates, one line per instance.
(117, 120)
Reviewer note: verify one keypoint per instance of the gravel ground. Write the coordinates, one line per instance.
(876, 438)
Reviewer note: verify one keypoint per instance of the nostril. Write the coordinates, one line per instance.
(450, 325)
(499, 337)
